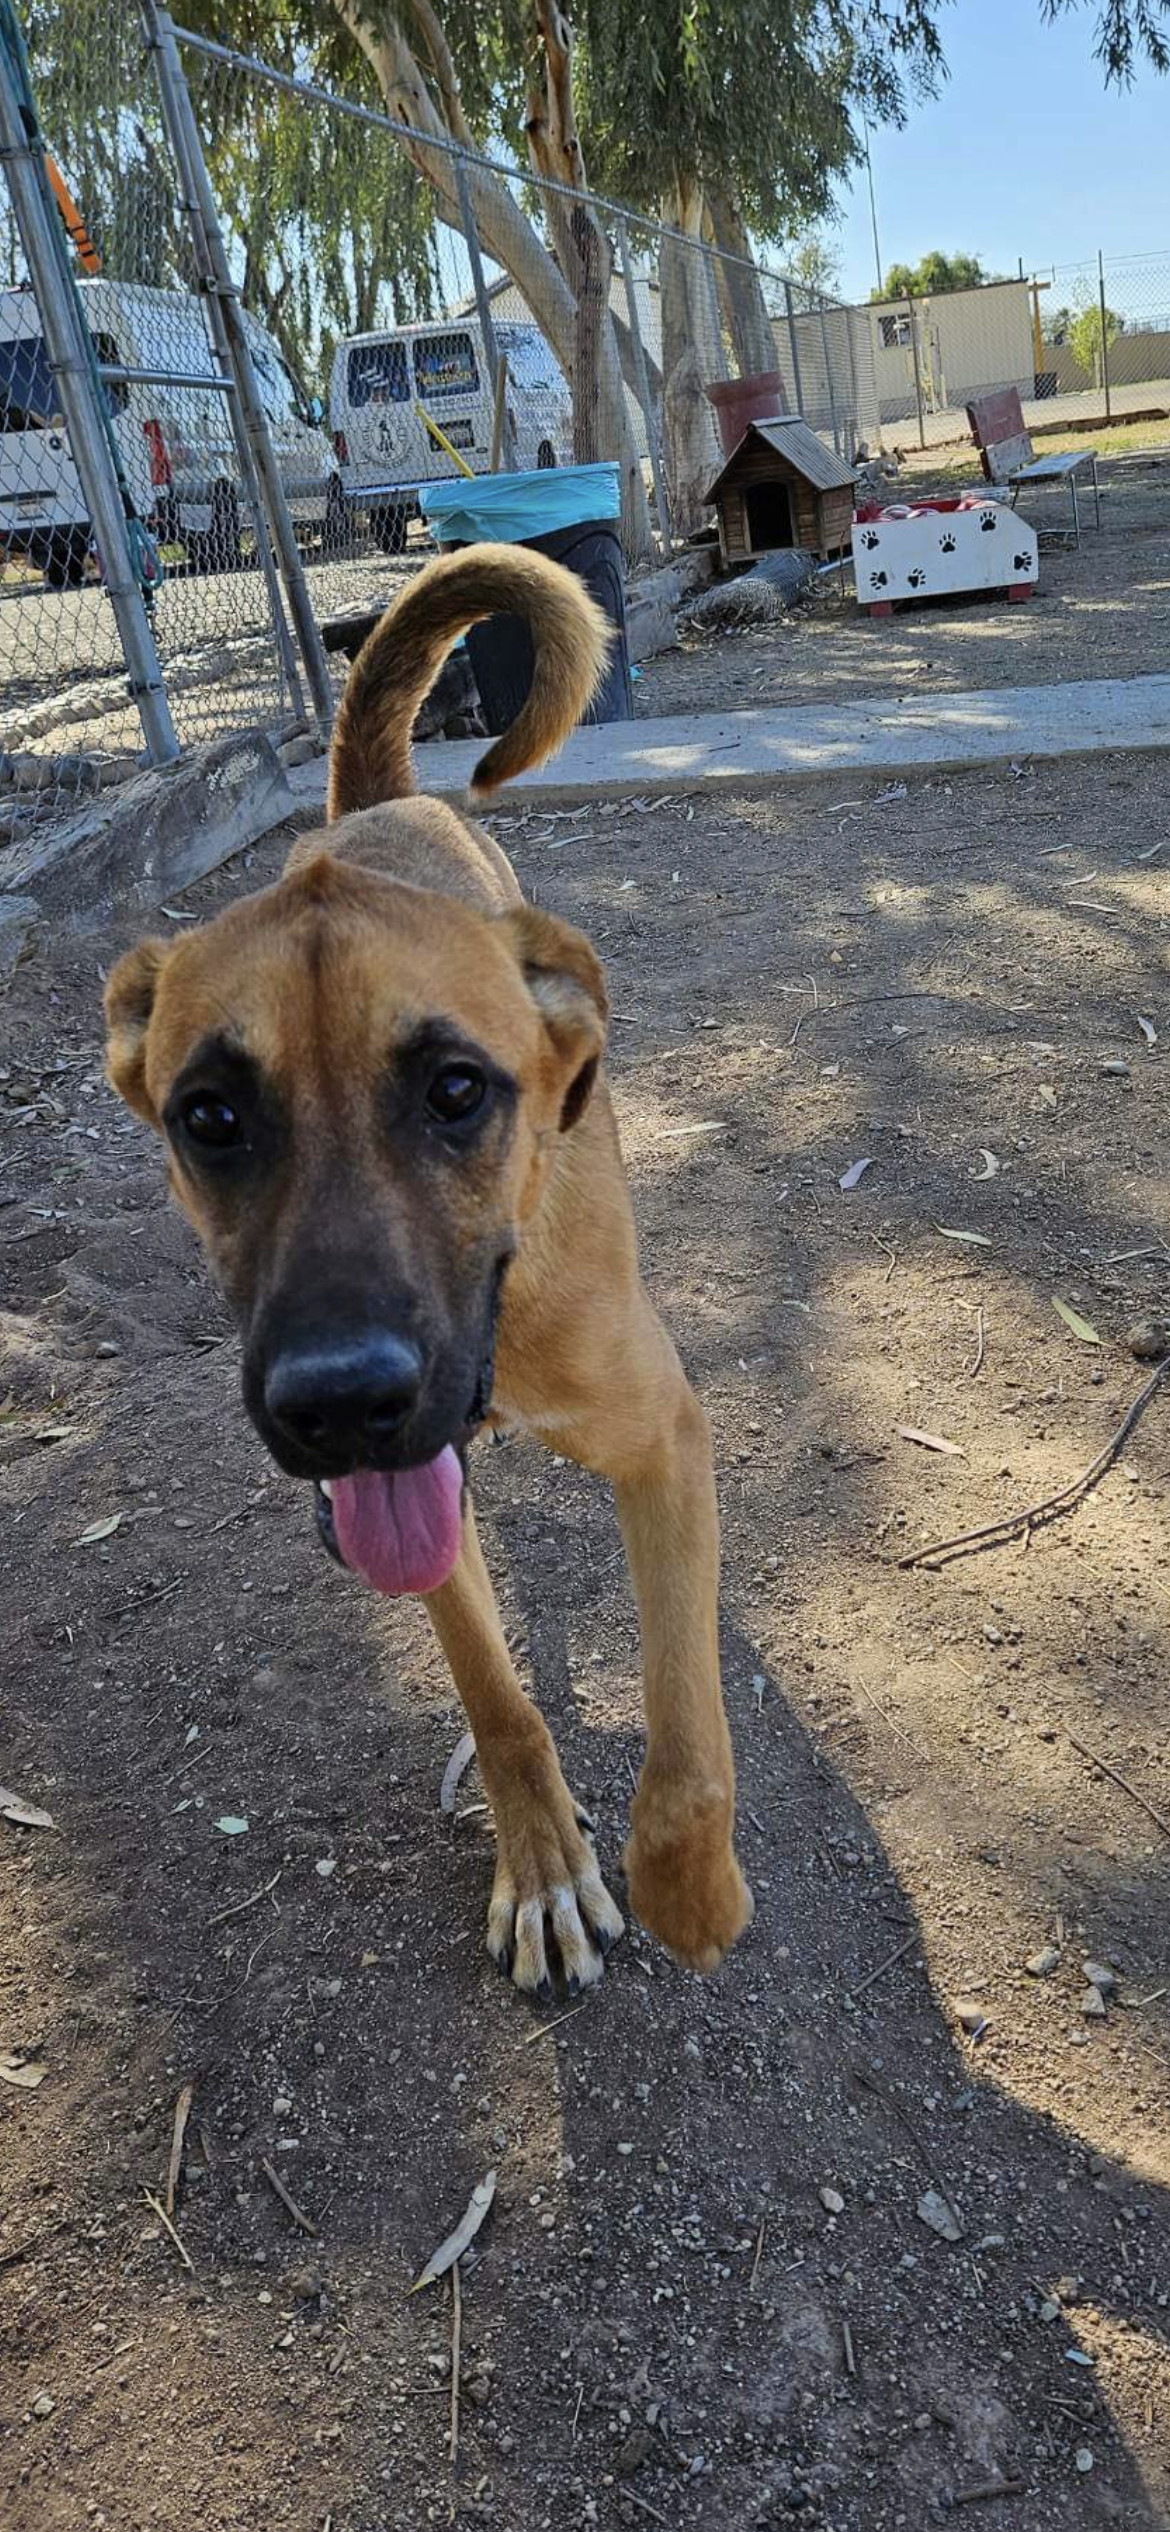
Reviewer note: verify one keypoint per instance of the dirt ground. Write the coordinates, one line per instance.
(1100, 610)
(706, 2296)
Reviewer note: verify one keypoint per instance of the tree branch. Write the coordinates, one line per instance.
(445, 75)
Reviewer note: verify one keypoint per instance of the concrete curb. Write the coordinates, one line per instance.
(153, 836)
(758, 750)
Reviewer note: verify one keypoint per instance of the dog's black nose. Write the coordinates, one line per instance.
(344, 1399)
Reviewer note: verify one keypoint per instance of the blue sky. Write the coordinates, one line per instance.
(1024, 152)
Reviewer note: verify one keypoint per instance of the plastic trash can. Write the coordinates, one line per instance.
(570, 513)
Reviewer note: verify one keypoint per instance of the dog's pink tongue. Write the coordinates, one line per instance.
(401, 1532)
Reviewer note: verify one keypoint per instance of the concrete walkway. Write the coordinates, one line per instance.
(759, 749)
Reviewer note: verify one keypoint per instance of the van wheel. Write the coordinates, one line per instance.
(546, 454)
(388, 529)
(221, 548)
(65, 560)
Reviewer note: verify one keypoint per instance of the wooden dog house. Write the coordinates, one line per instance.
(782, 486)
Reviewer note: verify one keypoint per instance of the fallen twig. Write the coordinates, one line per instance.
(164, 2218)
(530, 2037)
(980, 1344)
(985, 2490)
(999, 1533)
(911, 1744)
(272, 2176)
(238, 1905)
(883, 1966)
(847, 2343)
(182, 2114)
(862, 2075)
(631, 2494)
(759, 2255)
(456, 2346)
(1107, 1769)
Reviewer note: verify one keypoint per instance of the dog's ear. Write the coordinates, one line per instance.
(564, 976)
(129, 1001)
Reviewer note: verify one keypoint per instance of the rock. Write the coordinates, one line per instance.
(1043, 1962)
(1082, 2459)
(1099, 1974)
(638, 2446)
(937, 2212)
(651, 626)
(1115, 1069)
(43, 2406)
(970, 2016)
(300, 750)
(1050, 2309)
(18, 916)
(1148, 1340)
(30, 773)
(992, 1634)
(832, 2201)
(1093, 2005)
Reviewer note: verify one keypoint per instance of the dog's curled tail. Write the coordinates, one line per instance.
(397, 666)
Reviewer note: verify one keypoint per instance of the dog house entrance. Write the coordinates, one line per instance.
(769, 517)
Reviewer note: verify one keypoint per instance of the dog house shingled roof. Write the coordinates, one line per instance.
(792, 439)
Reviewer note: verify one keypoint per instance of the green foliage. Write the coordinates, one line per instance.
(1089, 335)
(1127, 33)
(816, 265)
(934, 273)
(758, 98)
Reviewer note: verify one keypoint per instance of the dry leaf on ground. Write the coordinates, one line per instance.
(856, 1170)
(456, 1767)
(1072, 1319)
(100, 1530)
(27, 2072)
(24, 1815)
(974, 1239)
(464, 2234)
(930, 1441)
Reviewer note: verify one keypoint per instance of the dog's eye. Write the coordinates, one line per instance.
(456, 1093)
(212, 1122)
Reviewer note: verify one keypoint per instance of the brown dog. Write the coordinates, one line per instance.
(378, 1086)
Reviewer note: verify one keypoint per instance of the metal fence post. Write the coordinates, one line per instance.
(179, 115)
(66, 343)
(482, 302)
(645, 396)
(249, 479)
(916, 357)
(833, 422)
(847, 318)
(1104, 336)
(797, 389)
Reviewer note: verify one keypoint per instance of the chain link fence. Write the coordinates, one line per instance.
(162, 397)
(1082, 344)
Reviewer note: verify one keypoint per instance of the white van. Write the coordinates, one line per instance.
(384, 383)
(175, 442)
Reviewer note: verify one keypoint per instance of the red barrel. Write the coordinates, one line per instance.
(738, 401)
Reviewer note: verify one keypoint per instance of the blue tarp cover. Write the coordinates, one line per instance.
(509, 508)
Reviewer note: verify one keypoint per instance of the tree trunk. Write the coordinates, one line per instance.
(690, 359)
(601, 416)
(508, 236)
(741, 291)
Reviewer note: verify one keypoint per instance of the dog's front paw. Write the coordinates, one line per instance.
(683, 1874)
(548, 1900)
